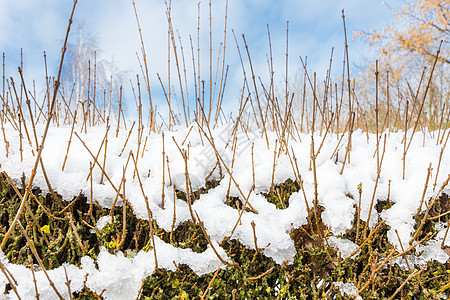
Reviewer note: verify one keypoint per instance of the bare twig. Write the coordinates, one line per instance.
(41, 146)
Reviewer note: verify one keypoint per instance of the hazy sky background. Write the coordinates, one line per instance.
(314, 28)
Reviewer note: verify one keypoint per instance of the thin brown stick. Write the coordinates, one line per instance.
(256, 92)
(11, 280)
(128, 137)
(96, 161)
(174, 215)
(375, 189)
(233, 264)
(205, 293)
(376, 116)
(29, 109)
(20, 114)
(404, 139)
(424, 191)
(70, 140)
(424, 218)
(406, 260)
(68, 283)
(222, 79)
(145, 73)
(350, 111)
(163, 172)
(34, 280)
(349, 141)
(440, 160)
(390, 258)
(120, 108)
(121, 186)
(424, 96)
(261, 275)
(149, 211)
(106, 148)
(211, 141)
(241, 211)
(273, 167)
(446, 233)
(314, 169)
(19, 110)
(188, 184)
(65, 208)
(358, 212)
(412, 275)
(255, 239)
(366, 240)
(41, 146)
(33, 216)
(375, 270)
(140, 289)
(439, 216)
(234, 147)
(91, 189)
(298, 177)
(124, 215)
(253, 166)
(75, 232)
(36, 255)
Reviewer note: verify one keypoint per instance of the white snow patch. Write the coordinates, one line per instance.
(337, 193)
(348, 289)
(345, 247)
(103, 221)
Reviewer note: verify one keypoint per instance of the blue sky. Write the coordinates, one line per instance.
(314, 28)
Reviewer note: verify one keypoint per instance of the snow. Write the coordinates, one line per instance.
(345, 247)
(103, 221)
(337, 193)
(119, 276)
(348, 289)
(432, 251)
(25, 286)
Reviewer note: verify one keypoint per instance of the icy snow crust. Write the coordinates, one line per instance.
(273, 225)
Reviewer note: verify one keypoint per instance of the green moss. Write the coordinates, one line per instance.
(186, 235)
(383, 205)
(196, 194)
(279, 196)
(315, 267)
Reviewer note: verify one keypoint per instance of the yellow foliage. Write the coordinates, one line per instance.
(419, 27)
(45, 229)
(111, 244)
(412, 38)
(406, 49)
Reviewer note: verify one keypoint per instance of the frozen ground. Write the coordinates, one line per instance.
(337, 193)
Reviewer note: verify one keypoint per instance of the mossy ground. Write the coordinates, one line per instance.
(316, 265)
